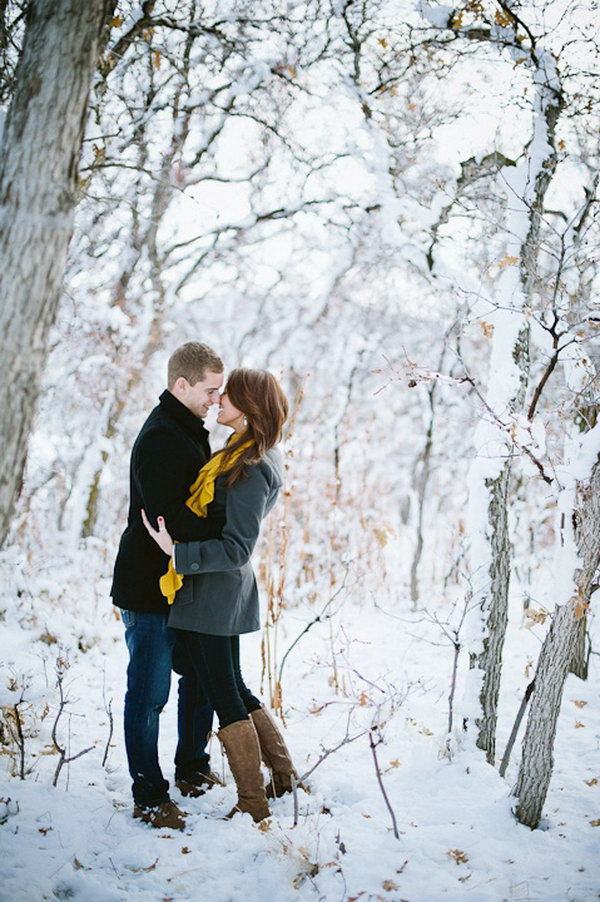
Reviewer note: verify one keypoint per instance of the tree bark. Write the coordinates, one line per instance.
(556, 656)
(580, 661)
(494, 609)
(38, 194)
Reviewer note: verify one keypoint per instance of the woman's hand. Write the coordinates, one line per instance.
(160, 535)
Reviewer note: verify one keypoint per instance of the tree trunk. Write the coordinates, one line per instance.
(38, 193)
(524, 185)
(580, 661)
(556, 658)
(494, 609)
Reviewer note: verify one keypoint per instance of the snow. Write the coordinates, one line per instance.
(438, 15)
(457, 836)
(335, 298)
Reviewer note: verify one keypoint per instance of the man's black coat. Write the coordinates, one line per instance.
(167, 454)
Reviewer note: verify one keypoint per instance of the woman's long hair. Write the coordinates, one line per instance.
(258, 395)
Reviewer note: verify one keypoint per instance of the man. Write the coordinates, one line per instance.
(169, 451)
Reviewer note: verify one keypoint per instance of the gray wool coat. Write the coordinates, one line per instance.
(219, 595)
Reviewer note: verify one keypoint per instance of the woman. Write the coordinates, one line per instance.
(241, 483)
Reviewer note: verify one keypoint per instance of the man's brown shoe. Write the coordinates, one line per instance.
(199, 785)
(165, 814)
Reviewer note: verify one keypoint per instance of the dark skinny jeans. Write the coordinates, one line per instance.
(155, 648)
(216, 660)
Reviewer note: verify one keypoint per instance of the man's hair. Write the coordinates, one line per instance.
(193, 361)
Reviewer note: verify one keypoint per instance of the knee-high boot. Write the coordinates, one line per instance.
(242, 748)
(274, 753)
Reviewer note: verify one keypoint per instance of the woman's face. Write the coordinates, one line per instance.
(229, 415)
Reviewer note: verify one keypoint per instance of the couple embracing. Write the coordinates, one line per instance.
(186, 588)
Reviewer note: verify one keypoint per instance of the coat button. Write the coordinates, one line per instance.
(194, 566)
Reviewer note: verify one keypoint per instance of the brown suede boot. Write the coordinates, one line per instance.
(274, 753)
(243, 753)
(165, 814)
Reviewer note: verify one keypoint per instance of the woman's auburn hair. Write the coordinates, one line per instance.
(258, 395)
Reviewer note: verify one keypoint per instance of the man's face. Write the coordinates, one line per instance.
(199, 397)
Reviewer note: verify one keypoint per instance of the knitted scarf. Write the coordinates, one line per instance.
(202, 492)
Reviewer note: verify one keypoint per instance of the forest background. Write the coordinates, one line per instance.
(394, 207)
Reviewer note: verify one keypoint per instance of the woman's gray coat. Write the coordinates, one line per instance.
(219, 595)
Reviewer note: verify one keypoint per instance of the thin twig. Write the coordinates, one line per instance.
(110, 731)
(21, 739)
(515, 728)
(547, 373)
(380, 781)
(63, 759)
(295, 793)
(456, 645)
(108, 709)
(318, 619)
(345, 741)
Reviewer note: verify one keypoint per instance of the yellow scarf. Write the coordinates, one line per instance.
(202, 492)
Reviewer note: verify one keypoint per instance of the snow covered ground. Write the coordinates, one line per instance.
(457, 838)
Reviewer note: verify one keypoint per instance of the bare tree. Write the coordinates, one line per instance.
(38, 193)
(523, 188)
(557, 650)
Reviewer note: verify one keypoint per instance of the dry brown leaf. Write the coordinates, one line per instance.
(381, 536)
(578, 704)
(457, 855)
(507, 260)
(503, 18)
(535, 616)
(48, 638)
(150, 867)
(592, 782)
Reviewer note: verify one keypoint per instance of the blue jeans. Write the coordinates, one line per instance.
(154, 650)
